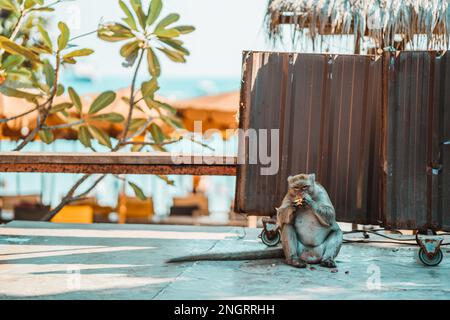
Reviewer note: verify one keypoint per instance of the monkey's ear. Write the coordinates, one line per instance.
(312, 177)
(289, 179)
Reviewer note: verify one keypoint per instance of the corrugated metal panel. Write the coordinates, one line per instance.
(371, 128)
(416, 123)
(327, 108)
(443, 118)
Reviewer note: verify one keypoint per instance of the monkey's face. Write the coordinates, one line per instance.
(301, 185)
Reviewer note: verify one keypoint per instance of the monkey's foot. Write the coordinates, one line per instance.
(328, 264)
(296, 262)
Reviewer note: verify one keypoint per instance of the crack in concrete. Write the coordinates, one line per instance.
(171, 283)
(192, 265)
(181, 273)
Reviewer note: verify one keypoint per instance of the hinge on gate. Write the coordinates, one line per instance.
(434, 169)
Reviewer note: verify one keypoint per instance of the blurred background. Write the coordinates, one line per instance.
(205, 88)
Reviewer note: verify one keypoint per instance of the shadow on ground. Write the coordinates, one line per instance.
(50, 261)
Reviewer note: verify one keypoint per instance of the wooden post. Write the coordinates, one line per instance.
(358, 42)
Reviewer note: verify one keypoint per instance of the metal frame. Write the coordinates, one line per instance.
(117, 163)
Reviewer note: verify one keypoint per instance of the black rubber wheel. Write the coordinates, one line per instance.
(270, 242)
(437, 259)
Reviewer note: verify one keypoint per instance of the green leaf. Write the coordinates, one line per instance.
(40, 49)
(46, 136)
(85, 136)
(8, 5)
(12, 62)
(137, 7)
(69, 60)
(130, 52)
(10, 92)
(137, 148)
(154, 11)
(63, 38)
(176, 44)
(171, 18)
(102, 101)
(167, 33)
(61, 107)
(79, 53)
(114, 32)
(112, 117)
(137, 124)
(149, 88)
(167, 180)
(130, 21)
(175, 56)
(100, 136)
(173, 122)
(157, 134)
(13, 48)
(154, 68)
(185, 29)
(160, 105)
(60, 90)
(138, 191)
(31, 3)
(43, 9)
(130, 48)
(49, 73)
(45, 37)
(75, 98)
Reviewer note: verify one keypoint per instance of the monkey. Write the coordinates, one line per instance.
(309, 231)
(307, 219)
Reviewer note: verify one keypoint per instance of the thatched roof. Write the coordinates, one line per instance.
(215, 111)
(379, 19)
(223, 102)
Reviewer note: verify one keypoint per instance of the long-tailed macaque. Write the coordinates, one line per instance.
(309, 232)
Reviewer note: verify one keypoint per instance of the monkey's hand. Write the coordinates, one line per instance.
(308, 200)
(322, 213)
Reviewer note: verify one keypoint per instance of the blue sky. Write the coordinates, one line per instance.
(224, 29)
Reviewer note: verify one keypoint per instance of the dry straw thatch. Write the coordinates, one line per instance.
(381, 20)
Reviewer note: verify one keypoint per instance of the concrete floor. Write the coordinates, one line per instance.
(50, 261)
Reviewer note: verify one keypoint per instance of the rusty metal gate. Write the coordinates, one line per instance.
(329, 110)
(416, 128)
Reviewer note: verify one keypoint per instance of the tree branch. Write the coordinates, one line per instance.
(39, 123)
(140, 131)
(64, 126)
(2, 121)
(133, 143)
(132, 97)
(69, 198)
(18, 24)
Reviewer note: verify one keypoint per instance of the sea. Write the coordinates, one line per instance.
(52, 187)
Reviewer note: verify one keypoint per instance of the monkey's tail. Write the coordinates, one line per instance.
(232, 256)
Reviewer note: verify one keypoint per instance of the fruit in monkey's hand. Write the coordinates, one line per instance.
(298, 201)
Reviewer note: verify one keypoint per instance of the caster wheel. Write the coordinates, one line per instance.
(437, 259)
(270, 240)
